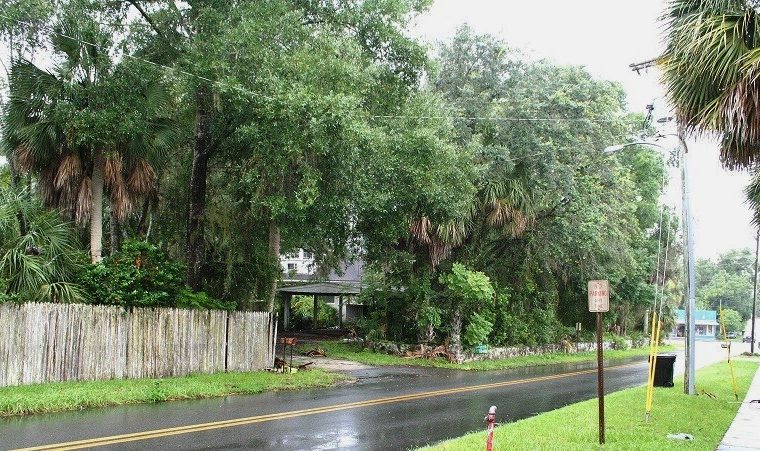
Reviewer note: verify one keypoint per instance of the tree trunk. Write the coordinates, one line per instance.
(229, 266)
(201, 151)
(23, 227)
(455, 344)
(96, 217)
(141, 223)
(115, 227)
(274, 255)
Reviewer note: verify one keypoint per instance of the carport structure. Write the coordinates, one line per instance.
(340, 289)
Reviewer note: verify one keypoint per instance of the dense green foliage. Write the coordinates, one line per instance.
(41, 262)
(141, 275)
(549, 212)
(731, 320)
(302, 313)
(471, 183)
(727, 281)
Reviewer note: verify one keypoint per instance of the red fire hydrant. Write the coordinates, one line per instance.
(490, 422)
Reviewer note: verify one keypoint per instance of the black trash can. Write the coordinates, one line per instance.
(663, 370)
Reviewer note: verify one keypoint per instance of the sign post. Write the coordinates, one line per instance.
(599, 302)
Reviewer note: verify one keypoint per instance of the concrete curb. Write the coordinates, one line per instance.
(744, 433)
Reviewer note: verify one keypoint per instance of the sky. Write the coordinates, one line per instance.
(605, 36)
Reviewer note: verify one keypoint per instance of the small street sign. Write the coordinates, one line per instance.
(598, 296)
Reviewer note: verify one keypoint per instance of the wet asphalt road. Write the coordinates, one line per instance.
(392, 424)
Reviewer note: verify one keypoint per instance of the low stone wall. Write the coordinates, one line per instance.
(517, 351)
(495, 353)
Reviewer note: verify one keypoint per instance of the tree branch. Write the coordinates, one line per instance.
(551, 211)
(181, 19)
(147, 18)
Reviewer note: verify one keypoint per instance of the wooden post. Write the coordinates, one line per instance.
(340, 312)
(598, 302)
(600, 374)
(316, 313)
(286, 311)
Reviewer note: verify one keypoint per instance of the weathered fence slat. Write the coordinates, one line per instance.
(60, 342)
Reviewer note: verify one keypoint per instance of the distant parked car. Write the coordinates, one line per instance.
(732, 335)
(747, 340)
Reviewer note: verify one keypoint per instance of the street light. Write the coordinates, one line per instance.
(688, 257)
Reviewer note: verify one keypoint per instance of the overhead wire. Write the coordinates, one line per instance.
(264, 96)
(659, 291)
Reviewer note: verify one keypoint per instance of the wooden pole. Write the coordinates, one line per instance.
(600, 374)
(286, 311)
(316, 313)
(340, 312)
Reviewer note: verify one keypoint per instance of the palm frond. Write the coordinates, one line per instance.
(69, 171)
(84, 202)
(752, 194)
(113, 170)
(46, 187)
(709, 70)
(24, 158)
(142, 179)
(420, 229)
(63, 292)
(121, 201)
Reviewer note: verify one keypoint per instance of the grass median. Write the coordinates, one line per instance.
(574, 427)
(39, 398)
(356, 353)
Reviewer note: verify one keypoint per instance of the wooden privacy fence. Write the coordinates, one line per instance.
(63, 342)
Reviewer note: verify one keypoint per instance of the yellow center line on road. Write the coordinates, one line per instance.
(157, 433)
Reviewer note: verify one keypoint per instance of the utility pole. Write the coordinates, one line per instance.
(754, 296)
(689, 262)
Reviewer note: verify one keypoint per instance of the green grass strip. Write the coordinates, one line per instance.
(574, 427)
(354, 352)
(29, 399)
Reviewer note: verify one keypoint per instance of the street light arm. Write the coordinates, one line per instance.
(618, 147)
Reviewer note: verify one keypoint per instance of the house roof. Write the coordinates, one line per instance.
(324, 288)
(700, 317)
(348, 272)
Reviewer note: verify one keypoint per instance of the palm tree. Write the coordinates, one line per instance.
(39, 262)
(87, 128)
(710, 69)
(504, 206)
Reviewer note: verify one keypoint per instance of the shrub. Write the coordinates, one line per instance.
(515, 330)
(477, 330)
(618, 342)
(370, 327)
(638, 339)
(467, 286)
(201, 300)
(302, 313)
(139, 275)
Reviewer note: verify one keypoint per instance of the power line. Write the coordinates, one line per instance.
(496, 118)
(264, 96)
(136, 58)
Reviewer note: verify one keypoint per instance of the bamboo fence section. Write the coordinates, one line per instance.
(63, 342)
